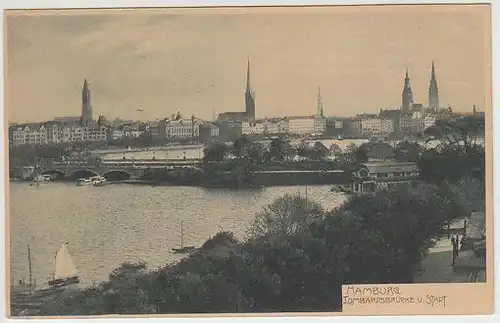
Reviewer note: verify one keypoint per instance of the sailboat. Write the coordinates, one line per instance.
(183, 249)
(65, 273)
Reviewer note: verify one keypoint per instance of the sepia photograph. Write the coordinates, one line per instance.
(246, 160)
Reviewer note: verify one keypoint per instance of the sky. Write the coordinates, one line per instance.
(195, 60)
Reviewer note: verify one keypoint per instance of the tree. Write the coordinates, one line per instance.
(217, 151)
(277, 149)
(240, 146)
(469, 192)
(408, 151)
(335, 150)
(355, 154)
(285, 216)
(303, 149)
(255, 152)
(319, 151)
(460, 152)
(458, 134)
(223, 238)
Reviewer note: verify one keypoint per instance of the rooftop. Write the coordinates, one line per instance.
(390, 167)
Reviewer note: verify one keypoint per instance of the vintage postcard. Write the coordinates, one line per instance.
(327, 160)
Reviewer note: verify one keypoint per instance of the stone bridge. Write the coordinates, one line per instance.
(115, 169)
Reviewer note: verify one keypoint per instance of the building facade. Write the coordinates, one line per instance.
(301, 125)
(184, 128)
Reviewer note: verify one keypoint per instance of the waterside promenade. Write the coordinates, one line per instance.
(437, 266)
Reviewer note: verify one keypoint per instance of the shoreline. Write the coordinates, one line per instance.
(140, 182)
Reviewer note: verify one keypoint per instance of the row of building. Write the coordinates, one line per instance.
(409, 118)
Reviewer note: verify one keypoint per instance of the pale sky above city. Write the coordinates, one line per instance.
(195, 60)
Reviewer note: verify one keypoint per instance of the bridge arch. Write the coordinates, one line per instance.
(55, 173)
(82, 173)
(117, 175)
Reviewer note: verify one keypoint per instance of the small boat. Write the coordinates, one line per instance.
(100, 181)
(37, 180)
(94, 180)
(339, 137)
(182, 248)
(65, 273)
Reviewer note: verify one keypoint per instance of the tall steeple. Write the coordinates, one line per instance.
(319, 104)
(433, 90)
(407, 95)
(249, 97)
(248, 76)
(86, 105)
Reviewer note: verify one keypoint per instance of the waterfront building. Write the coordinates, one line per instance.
(208, 131)
(429, 121)
(262, 127)
(117, 134)
(301, 125)
(353, 126)
(249, 113)
(372, 176)
(94, 133)
(382, 171)
(319, 124)
(252, 128)
(387, 127)
(229, 129)
(54, 132)
(182, 128)
(282, 124)
(30, 135)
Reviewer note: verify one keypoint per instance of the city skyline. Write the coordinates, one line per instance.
(202, 73)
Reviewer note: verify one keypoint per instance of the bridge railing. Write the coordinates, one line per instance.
(156, 160)
(129, 161)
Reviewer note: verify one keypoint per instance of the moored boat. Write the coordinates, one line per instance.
(26, 297)
(65, 272)
(182, 248)
(94, 180)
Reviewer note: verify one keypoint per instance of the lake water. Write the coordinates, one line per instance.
(106, 226)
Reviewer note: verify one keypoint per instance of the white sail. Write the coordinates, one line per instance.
(65, 267)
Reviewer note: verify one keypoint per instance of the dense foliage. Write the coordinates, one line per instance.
(291, 261)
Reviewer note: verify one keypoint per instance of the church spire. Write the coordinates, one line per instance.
(249, 97)
(319, 103)
(433, 90)
(86, 105)
(407, 95)
(248, 76)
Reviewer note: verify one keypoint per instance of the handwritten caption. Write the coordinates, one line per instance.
(389, 295)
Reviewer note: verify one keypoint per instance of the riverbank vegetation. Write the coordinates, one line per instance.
(295, 257)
